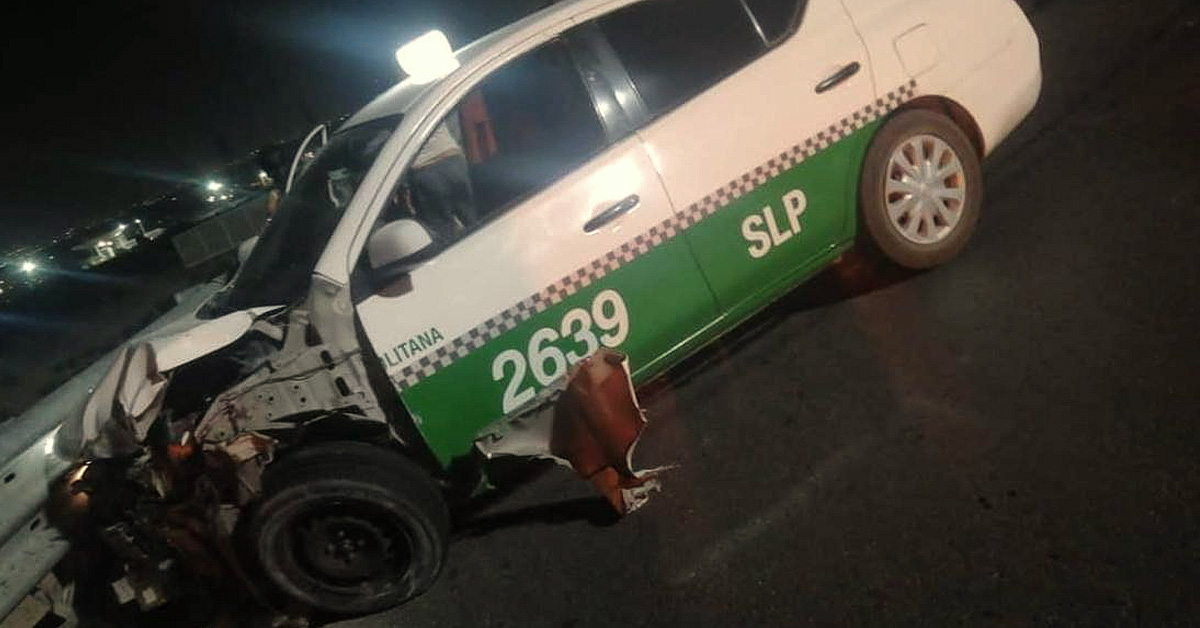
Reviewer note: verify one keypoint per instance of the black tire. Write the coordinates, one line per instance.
(347, 528)
(886, 237)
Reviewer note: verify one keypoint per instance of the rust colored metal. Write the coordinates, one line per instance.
(588, 419)
(597, 424)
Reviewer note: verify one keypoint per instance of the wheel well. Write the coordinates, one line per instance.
(339, 427)
(956, 112)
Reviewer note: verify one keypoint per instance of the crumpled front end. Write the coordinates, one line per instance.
(174, 439)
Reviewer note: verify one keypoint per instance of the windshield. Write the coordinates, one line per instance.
(280, 266)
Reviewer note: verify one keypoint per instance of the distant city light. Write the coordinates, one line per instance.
(28, 267)
(427, 58)
(215, 186)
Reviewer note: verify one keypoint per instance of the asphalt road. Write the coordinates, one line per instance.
(1009, 440)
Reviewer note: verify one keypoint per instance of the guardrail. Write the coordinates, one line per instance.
(221, 233)
(30, 464)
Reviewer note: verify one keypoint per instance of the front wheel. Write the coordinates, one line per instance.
(921, 190)
(348, 528)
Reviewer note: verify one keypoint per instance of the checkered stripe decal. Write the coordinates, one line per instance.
(553, 294)
(797, 154)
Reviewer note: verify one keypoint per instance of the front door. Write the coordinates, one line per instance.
(561, 251)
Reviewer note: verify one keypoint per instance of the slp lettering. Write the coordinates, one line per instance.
(764, 231)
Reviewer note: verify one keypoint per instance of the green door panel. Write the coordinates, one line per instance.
(643, 309)
(782, 226)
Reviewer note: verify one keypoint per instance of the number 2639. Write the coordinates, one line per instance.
(550, 351)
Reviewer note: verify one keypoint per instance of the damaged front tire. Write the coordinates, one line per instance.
(348, 528)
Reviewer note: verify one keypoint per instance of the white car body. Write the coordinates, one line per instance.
(977, 62)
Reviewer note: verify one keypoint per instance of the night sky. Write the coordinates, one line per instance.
(109, 104)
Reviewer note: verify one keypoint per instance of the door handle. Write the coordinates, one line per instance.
(622, 207)
(839, 77)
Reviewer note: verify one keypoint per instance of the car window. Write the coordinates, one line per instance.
(776, 17)
(520, 129)
(674, 49)
(280, 266)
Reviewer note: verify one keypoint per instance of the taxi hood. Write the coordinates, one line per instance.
(125, 400)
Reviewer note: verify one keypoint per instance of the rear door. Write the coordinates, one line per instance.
(570, 254)
(757, 130)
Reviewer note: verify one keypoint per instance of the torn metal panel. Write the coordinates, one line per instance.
(127, 399)
(180, 348)
(314, 380)
(308, 375)
(588, 420)
(124, 404)
(249, 455)
(304, 378)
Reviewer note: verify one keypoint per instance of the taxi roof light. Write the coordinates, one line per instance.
(427, 58)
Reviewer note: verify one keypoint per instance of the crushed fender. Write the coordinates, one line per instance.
(121, 409)
(588, 420)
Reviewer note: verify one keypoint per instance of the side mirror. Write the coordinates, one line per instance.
(397, 247)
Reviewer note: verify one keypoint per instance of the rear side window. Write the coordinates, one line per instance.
(674, 49)
(776, 17)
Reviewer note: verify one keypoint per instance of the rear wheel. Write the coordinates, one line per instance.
(921, 190)
(348, 528)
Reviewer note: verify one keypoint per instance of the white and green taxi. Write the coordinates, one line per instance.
(633, 175)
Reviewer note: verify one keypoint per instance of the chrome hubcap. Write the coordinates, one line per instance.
(926, 189)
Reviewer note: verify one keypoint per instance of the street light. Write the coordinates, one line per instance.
(28, 267)
(215, 186)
